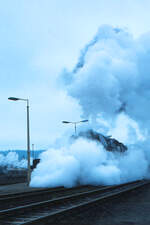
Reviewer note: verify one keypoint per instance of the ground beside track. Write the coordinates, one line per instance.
(130, 209)
(16, 188)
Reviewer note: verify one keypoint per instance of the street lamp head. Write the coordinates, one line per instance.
(65, 122)
(84, 121)
(13, 98)
(75, 123)
(16, 99)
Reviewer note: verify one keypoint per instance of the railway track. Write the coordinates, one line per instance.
(70, 201)
(19, 199)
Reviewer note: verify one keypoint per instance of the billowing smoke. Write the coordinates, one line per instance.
(112, 85)
(112, 77)
(86, 162)
(11, 160)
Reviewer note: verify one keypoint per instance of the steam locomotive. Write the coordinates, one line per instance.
(110, 144)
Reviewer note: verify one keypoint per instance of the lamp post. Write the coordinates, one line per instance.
(75, 124)
(28, 136)
(33, 151)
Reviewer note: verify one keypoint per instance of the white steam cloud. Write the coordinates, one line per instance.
(112, 85)
(11, 160)
(86, 162)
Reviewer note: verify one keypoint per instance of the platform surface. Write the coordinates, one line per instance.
(16, 188)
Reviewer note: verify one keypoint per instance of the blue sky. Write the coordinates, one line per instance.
(40, 38)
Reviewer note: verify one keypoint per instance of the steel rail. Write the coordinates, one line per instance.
(77, 207)
(74, 201)
(55, 201)
(21, 198)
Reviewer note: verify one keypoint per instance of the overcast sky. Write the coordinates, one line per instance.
(38, 38)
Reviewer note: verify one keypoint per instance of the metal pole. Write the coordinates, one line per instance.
(28, 145)
(33, 151)
(75, 128)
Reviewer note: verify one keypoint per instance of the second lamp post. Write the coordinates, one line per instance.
(75, 124)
